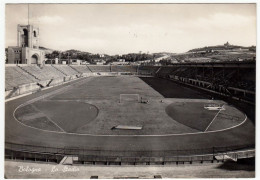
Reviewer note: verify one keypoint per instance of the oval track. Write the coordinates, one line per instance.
(17, 133)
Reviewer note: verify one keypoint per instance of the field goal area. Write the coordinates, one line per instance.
(129, 98)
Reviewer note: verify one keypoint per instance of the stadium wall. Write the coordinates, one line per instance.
(84, 156)
(23, 89)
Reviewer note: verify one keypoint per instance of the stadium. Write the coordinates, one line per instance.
(75, 117)
(182, 114)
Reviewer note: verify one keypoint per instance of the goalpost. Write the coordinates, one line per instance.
(129, 98)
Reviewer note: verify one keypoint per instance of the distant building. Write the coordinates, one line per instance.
(77, 62)
(100, 63)
(120, 63)
(27, 50)
(227, 44)
(84, 63)
(120, 60)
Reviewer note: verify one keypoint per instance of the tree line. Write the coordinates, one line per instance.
(74, 54)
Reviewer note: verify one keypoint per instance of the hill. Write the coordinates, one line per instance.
(219, 53)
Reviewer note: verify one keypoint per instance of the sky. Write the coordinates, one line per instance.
(131, 28)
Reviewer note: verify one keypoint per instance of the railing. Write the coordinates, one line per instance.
(153, 153)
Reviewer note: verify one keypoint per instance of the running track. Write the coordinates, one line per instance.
(17, 133)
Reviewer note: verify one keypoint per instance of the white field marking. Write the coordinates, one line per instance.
(49, 119)
(160, 135)
(64, 100)
(50, 94)
(214, 118)
(16, 97)
(55, 124)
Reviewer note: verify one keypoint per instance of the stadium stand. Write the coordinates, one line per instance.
(147, 70)
(127, 68)
(44, 73)
(67, 70)
(97, 68)
(219, 76)
(15, 76)
(237, 82)
(81, 68)
(183, 72)
(165, 71)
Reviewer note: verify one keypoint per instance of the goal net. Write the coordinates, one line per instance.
(129, 98)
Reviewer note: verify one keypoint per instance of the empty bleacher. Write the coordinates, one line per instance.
(52, 71)
(127, 68)
(44, 73)
(148, 70)
(81, 68)
(183, 72)
(66, 70)
(239, 81)
(101, 68)
(14, 76)
(165, 71)
(236, 82)
(244, 78)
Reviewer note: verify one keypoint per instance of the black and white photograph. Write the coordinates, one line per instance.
(129, 90)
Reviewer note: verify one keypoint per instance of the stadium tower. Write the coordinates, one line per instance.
(27, 50)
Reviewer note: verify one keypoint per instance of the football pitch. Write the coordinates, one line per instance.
(93, 106)
(81, 114)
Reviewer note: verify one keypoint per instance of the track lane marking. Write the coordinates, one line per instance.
(160, 135)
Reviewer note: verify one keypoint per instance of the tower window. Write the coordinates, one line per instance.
(34, 34)
(25, 32)
(24, 38)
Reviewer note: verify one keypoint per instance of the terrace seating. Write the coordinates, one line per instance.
(183, 72)
(124, 68)
(144, 70)
(14, 76)
(101, 68)
(165, 71)
(51, 72)
(81, 68)
(44, 73)
(227, 77)
(218, 78)
(66, 70)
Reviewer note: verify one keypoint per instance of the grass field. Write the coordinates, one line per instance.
(92, 107)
